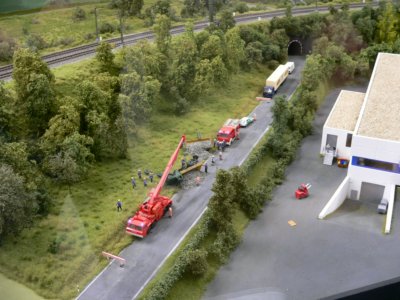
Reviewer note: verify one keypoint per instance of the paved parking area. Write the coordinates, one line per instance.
(316, 258)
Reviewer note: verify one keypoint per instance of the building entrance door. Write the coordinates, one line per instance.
(331, 140)
(371, 193)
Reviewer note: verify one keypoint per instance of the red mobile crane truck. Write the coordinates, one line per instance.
(155, 206)
(229, 132)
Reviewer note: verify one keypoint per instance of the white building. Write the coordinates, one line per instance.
(366, 130)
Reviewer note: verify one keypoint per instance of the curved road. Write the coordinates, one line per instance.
(82, 52)
(145, 257)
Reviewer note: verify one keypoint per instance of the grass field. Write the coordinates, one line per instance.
(84, 220)
(7, 6)
(59, 30)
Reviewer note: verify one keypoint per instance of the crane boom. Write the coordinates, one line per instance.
(154, 194)
(153, 209)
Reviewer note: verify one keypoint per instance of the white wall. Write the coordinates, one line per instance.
(377, 149)
(342, 150)
(392, 192)
(337, 199)
(382, 150)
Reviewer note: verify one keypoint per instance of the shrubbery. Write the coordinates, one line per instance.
(106, 28)
(79, 14)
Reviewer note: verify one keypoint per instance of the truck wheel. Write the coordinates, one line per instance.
(166, 209)
(153, 225)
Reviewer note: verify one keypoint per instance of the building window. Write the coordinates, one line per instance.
(349, 139)
(375, 164)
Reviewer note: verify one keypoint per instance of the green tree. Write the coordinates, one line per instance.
(248, 200)
(40, 102)
(221, 204)
(34, 84)
(91, 100)
(190, 8)
(253, 54)
(62, 125)
(226, 20)
(234, 49)
(197, 262)
(17, 157)
(17, 209)
(162, 29)
(79, 14)
(387, 24)
(105, 56)
(212, 47)
(6, 112)
(145, 59)
(128, 7)
(183, 68)
(219, 72)
(227, 240)
(137, 97)
(204, 76)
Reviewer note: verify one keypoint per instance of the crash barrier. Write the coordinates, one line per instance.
(263, 99)
(199, 140)
(112, 256)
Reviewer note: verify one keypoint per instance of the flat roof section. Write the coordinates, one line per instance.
(381, 114)
(345, 113)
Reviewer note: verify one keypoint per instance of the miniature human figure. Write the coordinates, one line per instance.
(254, 116)
(215, 143)
(151, 176)
(220, 155)
(133, 182)
(139, 174)
(198, 134)
(144, 182)
(170, 212)
(205, 168)
(119, 205)
(197, 180)
(213, 160)
(183, 163)
(223, 145)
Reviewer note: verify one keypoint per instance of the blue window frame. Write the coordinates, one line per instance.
(375, 164)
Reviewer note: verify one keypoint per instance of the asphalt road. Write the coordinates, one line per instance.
(316, 258)
(144, 257)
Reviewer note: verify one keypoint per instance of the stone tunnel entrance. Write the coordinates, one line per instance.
(295, 47)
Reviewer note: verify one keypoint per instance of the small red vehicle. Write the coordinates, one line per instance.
(303, 191)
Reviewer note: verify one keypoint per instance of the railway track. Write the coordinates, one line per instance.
(56, 58)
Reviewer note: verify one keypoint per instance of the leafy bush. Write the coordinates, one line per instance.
(65, 41)
(54, 246)
(197, 262)
(79, 14)
(36, 42)
(226, 241)
(161, 289)
(7, 47)
(241, 7)
(106, 28)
